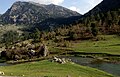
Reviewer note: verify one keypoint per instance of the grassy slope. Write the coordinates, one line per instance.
(48, 69)
(111, 45)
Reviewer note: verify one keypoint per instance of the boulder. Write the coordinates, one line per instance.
(46, 52)
(17, 57)
(2, 73)
(60, 60)
(3, 54)
(19, 44)
(33, 52)
(43, 51)
(0, 53)
(55, 59)
(63, 61)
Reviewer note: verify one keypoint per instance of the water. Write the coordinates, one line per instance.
(4, 64)
(111, 68)
(107, 67)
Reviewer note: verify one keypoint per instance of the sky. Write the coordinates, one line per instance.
(81, 6)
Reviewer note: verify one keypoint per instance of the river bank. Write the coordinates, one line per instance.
(99, 63)
(46, 68)
(110, 67)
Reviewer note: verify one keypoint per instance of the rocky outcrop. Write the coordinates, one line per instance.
(43, 51)
(60, 60)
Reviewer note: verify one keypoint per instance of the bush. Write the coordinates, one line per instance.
(10, 37)
(64, 44)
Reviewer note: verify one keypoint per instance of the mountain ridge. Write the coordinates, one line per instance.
(104, 6)
(31, 13)
(105, 17)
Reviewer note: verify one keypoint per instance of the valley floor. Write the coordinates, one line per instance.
(49, 69)
(108, 47)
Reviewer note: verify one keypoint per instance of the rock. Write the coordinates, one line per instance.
(2, 73)
(29, 45)
(68, 60)
(63, 61)
(46, 51)
(68, 76)
(0, 53)
(13, 47)
(43, 51)
(16, 57)
(19, 44)
(33, 52)
(3, 54)
(55, 59)
(60, 60)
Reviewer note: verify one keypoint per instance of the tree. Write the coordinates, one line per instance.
(37, 35)
(10, 37)
(94, 29)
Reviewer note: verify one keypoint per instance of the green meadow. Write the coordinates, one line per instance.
(48, 69)
(109, 44)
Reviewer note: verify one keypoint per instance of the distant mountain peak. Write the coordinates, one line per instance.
(30, 12)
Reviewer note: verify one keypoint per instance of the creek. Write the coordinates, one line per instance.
(112, 68)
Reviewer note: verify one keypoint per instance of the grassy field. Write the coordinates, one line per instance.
(110, 44)
(49, 69)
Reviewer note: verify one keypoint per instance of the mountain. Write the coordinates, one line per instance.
(105, 16)
(0, 19)
(105, 6)
(101, 20)
(31, 13)
(0, 16)
(53, 23)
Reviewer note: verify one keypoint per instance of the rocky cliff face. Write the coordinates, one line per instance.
(31, 13)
